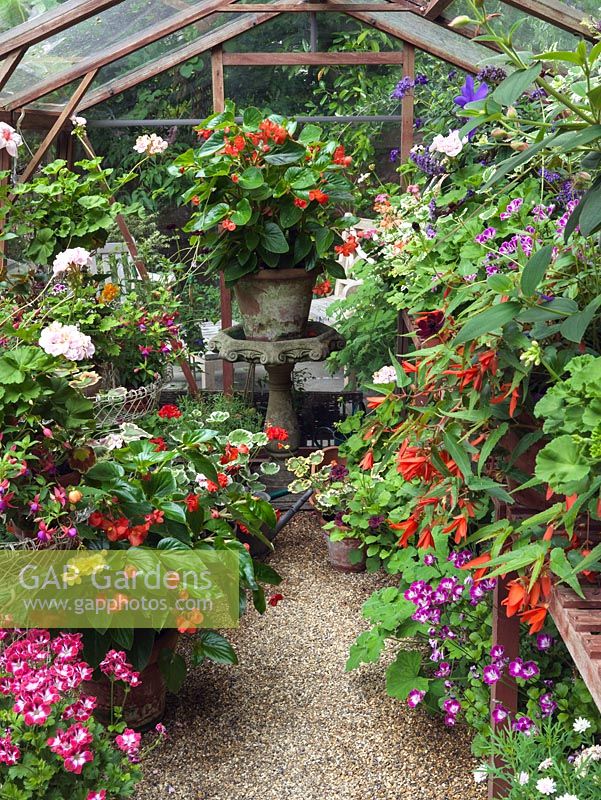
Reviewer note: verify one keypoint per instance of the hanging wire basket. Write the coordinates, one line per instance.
(115, 406)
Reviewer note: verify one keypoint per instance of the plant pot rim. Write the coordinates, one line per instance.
(289, 273)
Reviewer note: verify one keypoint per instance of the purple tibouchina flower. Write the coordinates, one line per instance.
(491, 674)
(544, 641)
(469, 93)
(415, 697)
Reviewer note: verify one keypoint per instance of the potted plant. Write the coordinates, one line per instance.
(265, 209)
(332, 491)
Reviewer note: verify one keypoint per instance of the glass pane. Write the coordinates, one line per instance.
(14, 12)
(94, 35)
(534, 35)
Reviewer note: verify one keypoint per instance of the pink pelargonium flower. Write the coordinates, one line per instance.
(129, 741)
(9, 139)
(100, 794)
(72, 259)
(77, 761)
(66, 340)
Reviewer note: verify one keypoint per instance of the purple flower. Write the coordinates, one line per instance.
(491, 74)
(497, 651)
(432, 209)
(429, 559)
(421, 79)
(523, 725)
(415, 697)
(512, 208)
(444, 670)
(491, 674)
(403, 87)
(427, 163)
(515, 668)
(338, 472)
(476, 594)
(544, 641)
(536, 94)
(542, 212)
(418, 123)
(452, 706)
(491, 269)
(487, 233)
(338, 521)
(450, 720)
(469, 93)
(529, 670)
(430, 232)
(58, 288)
(375, 521)
(499, 714)
(394, 154)
(471, 277)
(548, 175)
(547, 704)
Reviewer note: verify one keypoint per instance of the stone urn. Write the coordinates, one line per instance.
(274, 303)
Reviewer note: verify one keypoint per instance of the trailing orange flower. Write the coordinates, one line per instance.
(459, 526)
(412, 462)
(408, 527)
(367, 461)
(535, 617)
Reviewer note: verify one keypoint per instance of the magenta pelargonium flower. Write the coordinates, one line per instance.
(544, 641)
(129, 741)
(66, 340)
(499, 714)
(415, 697)
(491, 674)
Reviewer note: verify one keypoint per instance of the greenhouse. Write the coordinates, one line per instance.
(300, 399)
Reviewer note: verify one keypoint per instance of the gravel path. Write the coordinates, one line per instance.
(288, 723)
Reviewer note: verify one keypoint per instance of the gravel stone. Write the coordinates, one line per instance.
(288, 723)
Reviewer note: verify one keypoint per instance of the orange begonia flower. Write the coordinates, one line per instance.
(535, 617)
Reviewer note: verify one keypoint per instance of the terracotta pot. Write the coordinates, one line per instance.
(339, 552)
(274, 303)
(146, 703)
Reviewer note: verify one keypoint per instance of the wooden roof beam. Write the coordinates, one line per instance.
(147, 36)
(557, 13)
(44, 25)
(435, 8)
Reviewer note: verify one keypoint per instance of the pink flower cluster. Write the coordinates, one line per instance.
(117, 668)
(41, 679)
(57, 339)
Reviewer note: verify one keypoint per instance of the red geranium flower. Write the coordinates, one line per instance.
(169, 412)
(274, 599)
(159, 443)
(192, 503)
(276, 434)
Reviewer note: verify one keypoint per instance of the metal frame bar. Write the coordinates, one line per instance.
(56, 128)
(44, 25)
(169, 123)
(124, 48)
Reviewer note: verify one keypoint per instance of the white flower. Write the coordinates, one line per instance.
(71, 259)
(546, 786)
(481, 773)
(548, 762)
(10, 139)
(202, 480)
(384, 375)
(66, 340)
(523, 778)
(567, 797)
(581, 725)
(450, 145)
(112, 441)
(581, 761)
(362, 178)
(78, 122)
(151, 144)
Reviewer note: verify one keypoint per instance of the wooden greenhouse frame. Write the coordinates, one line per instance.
(412, 24)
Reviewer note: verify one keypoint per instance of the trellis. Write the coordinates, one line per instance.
(411, 24)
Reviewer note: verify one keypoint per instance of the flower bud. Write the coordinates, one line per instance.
(498, 133)
(511, 112)
(460, 22)
(519, 146)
